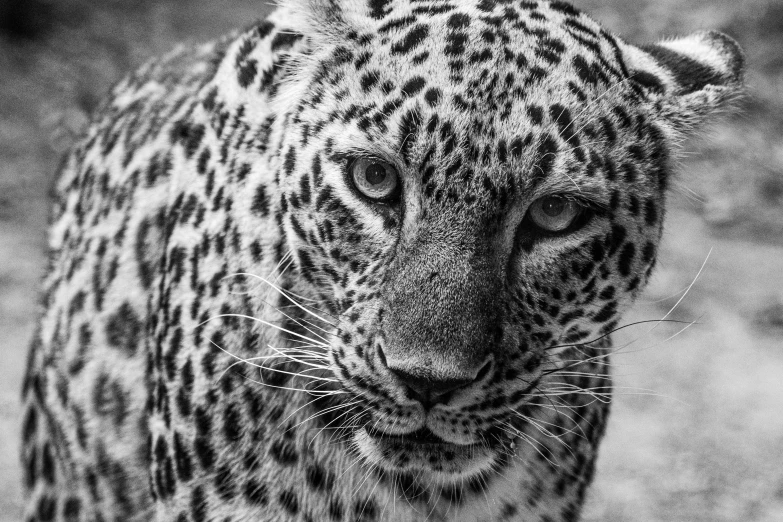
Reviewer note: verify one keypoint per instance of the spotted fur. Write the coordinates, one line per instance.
(231, 332)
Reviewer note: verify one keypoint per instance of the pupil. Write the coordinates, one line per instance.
(553, 207)
(375, 174)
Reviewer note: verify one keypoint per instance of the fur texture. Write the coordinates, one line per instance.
(232, 331)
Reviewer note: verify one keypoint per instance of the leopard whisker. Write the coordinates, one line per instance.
(434, 504)
(539, 424)
(558, 406)
(356, 461)
(308, 391)
(545, 432)
(348, 423)
(532, 443)
(287, 294)
(299, 358)
(312, 392)
(296, 355)
(306, 344)
(567, 388)
(284, 259)
(554, 408)
(304, 324)
(289, 263)
(673, 295)
(687, 290)
(296, 411)
(329, 426)
(614, 330)
(311, 307)
(367, 474)
(615, 350)
(369, 497)
(295, 359)
(578, 391)
(265, 323)
(484, 487)
(599, 376)
(325, 411)
(241, 360)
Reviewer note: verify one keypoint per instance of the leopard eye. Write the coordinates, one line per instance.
(375, 179)
(554, 213)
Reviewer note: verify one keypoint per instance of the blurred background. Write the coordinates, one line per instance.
(697, 427)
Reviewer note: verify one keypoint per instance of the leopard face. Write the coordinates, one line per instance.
(477, 194)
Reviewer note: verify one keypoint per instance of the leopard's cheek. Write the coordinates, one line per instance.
(356, 352)
(585, 285)
(340, 245)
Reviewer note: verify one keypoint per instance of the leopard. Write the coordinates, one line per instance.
(359, 261)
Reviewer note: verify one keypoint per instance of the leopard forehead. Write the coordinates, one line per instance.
(482, 108)
(474, 100)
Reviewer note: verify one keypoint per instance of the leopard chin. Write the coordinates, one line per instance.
(423, 452)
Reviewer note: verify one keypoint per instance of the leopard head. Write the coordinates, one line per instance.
(476, 190)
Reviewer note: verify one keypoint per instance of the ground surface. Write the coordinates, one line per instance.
(697, 428)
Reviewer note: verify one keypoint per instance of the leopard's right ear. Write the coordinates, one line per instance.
(329, 26)
(688, 79)
(326, 21)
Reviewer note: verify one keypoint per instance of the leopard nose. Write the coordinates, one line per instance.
(430, 389)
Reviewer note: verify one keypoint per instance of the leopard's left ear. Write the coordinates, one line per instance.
(689, 78)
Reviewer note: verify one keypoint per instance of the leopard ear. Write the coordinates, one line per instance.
(689, 78)
(325, 21)
(328, 26)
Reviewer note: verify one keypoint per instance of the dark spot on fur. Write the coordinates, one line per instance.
(411, 40)
(256, 492)
(413, 86)
(124, 328)
(198, 505)
(288, 500)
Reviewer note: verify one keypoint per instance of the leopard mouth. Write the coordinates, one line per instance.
(419, 437)
(424, 451)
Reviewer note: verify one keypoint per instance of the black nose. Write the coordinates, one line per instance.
(429, 390)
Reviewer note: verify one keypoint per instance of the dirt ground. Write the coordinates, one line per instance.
(697, 427)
